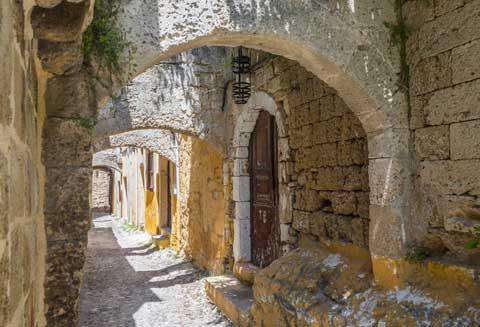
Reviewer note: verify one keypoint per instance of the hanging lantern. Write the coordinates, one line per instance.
(241, 83)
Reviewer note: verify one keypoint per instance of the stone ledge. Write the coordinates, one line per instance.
(232, 297)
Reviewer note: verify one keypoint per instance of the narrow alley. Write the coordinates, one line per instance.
(127, 283)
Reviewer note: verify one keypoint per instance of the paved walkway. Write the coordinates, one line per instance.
(126, 284)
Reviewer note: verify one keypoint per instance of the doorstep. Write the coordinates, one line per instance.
(232, 297)
(161, 241)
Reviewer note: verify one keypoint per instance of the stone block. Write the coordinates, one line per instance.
(241, 188)
(329, 179)
(241, 240)
(465, 63)
(62, 23)
(432, 143)
(241, 152)
(232, 297)
(283, 149)
(351, 128)
(344, 203)
(68, 96)
(460, 224)
(324, 155)
(390, 142)
(352, 152)
(60, 57)
(451, 177)
(242, 210)
(446, 32)
(285, 204)
(296, 138)
(363, 204)
(385, 232)
(417, 119)
(356, 178)
(445, 6)
(324, 109)
(286, 234)
(242, 140)
(18, 187)
(301, 221)
(240, 167)
(317, 224)
(300, 116)
(4, 196)
(390, 181)
(465, 140)
(67, 190)
(417, 13)
(431, 74)
(66, 143)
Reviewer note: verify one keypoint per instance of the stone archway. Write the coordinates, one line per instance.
(340, 43)
(244, 127)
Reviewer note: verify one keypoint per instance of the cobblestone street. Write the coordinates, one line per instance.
(126, 283)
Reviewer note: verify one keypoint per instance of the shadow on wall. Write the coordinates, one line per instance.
(202, 204)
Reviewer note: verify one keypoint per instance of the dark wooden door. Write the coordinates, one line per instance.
(265, 228)
(169, 197)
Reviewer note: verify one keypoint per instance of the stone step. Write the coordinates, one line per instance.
(166, 231)
(161, 241)
(232, 297)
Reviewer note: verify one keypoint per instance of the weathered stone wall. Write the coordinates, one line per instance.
(101, 189)
(183, 93)
(159, 141)
(442, 53)
(66, 151)
(22, 234)
(201, 205)
(322, 155)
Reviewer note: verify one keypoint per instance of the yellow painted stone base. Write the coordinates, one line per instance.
(232, 297)
(454, 284)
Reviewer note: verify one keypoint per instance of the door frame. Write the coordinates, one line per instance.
(244, 127)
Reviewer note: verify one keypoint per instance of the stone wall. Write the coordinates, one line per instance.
(201, 205)
(183, 93)
(66, 151)
(442, 53)
(101, 189)
(22, 234)
(323, 157)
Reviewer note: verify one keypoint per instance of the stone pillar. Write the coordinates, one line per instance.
(67, 157)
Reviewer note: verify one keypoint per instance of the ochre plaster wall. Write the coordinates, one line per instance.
(201, 205)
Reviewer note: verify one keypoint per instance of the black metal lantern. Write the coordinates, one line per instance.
(241, 83)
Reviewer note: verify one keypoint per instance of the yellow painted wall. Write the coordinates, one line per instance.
(151, 213)
(201, 204)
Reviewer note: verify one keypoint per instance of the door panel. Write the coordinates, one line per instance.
(265, 229)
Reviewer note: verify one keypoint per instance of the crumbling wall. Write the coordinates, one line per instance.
(101, 188)
(442, 53)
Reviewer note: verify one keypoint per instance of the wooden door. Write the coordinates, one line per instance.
(169, 197)
(265, 228)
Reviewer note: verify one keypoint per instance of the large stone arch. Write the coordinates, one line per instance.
(162, 142)
(107, 158)
(345, 44)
